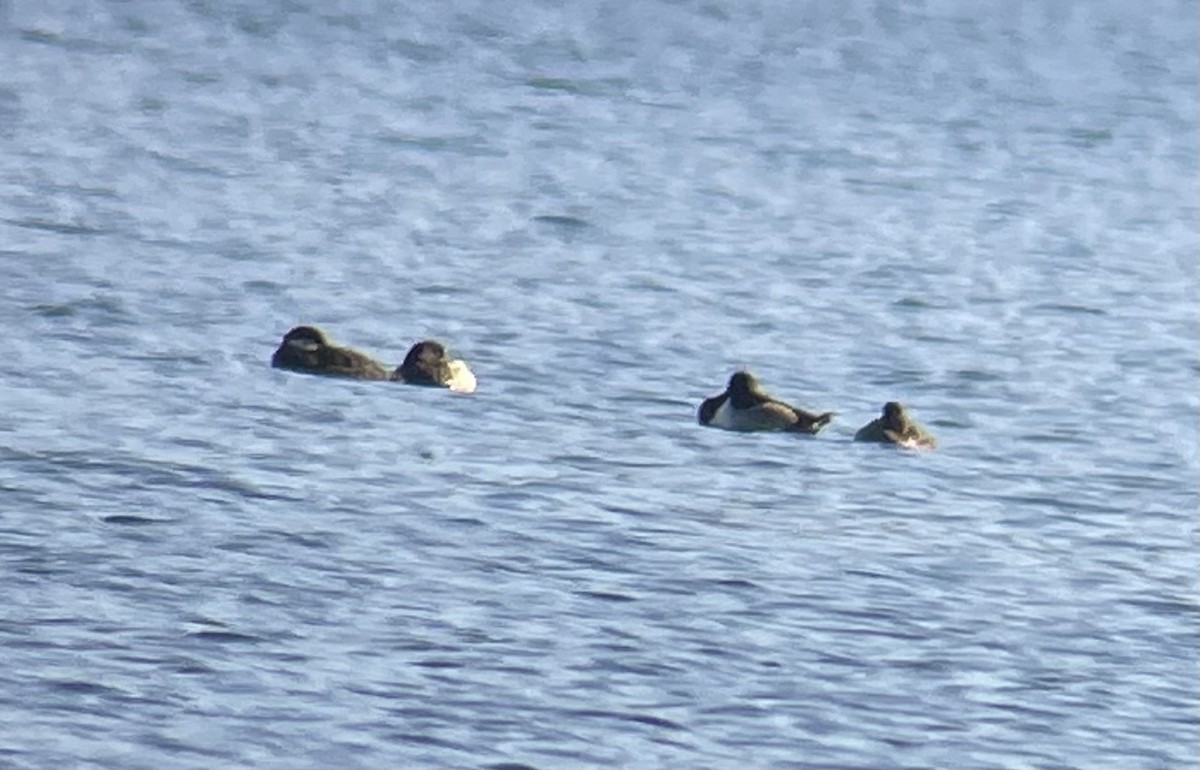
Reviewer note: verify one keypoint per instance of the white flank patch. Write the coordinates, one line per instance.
(462, 379)
(723, 417)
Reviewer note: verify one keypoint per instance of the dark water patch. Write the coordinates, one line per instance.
(624, 664)
(556, 84)
(1071, 439)
(260, 23)
(671, 106)
(655, 284)
(246, 490)
(44, 567)
(446, 290)
(849, 630)
(614, 462)
(883, 184)
(509, 566)
(509, 668)
(607, 596)
(1146, 481)
(322, 541)
(259, 286)
(251, 545)
(624, 510)
(104, 309)
(10, 112)
(922, 664)
(1009, 208)
(141, 472)
(1059, 307)
(79, 687)
(225, 637)
(1088, 137)
(75, 44)
(87, 191)
(1166, 607)
(189, 166)
(474, 636)
(617, 648)
(423, 739)
(979, 375)
(150, 105)
(509, 766)
(61, 228)
(1015, 706)
(675, 404)
(439, 664)
(190, 667)
(899, 376)
(610, 630)
(170, 244)
(643, 719)
(193, 443)
(470, 522)
(179, 750)
(948, 422)
(294, 660)
(219, 633)
(1068, 504)
(133, 521)
(470, 146)
(735, 709)
(423, 53)
(563, 220)
(737, 583)
(423, 645)
(392, 691)
(202, 77)
(250, 597)
(578, 87)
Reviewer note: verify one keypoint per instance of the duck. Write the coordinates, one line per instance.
(896, 426)
(745, 406)
(307, 349)
(427, 363)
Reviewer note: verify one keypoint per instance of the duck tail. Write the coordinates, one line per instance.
(822, 420)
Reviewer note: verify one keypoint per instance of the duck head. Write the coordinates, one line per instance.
(894, 414)
(306, 338)
(426, 354)
(743, 389)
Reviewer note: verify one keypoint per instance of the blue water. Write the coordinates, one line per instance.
(986, 211)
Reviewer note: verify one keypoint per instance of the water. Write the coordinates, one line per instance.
(989, 214)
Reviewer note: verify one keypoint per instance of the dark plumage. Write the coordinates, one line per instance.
(744, 406)
(895, 426)
(307, 349)
(428, 364)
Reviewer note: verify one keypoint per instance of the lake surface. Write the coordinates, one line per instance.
(989, 214)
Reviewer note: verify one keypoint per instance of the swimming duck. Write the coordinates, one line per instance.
(896, 427)
(428, 364)
(307, 349)
(744, 406)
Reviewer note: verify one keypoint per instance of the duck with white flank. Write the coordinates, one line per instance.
(744, 406)
(427, 363)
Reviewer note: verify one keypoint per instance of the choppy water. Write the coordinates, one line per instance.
(987, 213)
